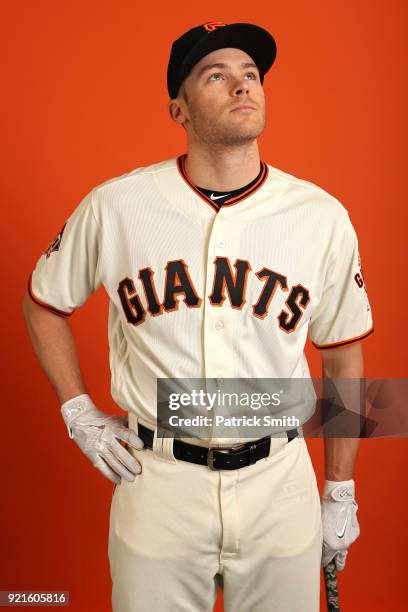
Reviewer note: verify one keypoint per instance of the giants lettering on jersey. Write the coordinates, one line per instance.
(226, 281)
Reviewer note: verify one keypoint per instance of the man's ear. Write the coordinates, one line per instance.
(177, 111)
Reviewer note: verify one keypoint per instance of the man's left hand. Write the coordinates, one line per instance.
(339, 521)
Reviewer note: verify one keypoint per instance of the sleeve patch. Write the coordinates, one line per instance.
(55, 243)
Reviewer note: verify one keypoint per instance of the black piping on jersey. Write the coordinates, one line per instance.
(43, 304)
(229, 201)
(335, 345)
(221, 196)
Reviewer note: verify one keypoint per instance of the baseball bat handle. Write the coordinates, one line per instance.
(331, 587)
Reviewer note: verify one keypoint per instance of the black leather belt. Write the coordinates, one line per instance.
(218, 458)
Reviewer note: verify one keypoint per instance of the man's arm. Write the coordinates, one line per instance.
(97, 434)
(54, 345)
(341, 453)
(339, 508)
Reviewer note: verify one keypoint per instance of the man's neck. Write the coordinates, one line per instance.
(222, 169)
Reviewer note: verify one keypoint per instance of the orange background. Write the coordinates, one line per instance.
(84, 99)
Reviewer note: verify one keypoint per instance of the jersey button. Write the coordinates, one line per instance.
(219, 325)
(221, 243)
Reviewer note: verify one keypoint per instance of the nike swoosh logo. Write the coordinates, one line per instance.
(213, 197)
(71, 411)
(341, 533)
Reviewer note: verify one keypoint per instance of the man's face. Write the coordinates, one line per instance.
(217, 86)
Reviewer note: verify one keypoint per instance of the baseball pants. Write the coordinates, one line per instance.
(180, 530)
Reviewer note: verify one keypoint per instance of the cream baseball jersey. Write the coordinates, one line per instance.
(203, 290)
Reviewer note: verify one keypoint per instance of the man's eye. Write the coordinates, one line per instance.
(252, 74)
(216, 74)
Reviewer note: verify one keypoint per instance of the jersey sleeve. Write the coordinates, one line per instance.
(68, 271)
(343, 314)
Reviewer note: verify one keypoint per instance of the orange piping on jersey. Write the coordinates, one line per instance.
(242, 196)
(251, 190)
(35, 299)
(180, 166)
(343, 342)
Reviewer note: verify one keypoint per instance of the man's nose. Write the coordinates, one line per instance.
(240, 87)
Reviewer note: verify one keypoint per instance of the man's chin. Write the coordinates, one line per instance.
(244, 135)
(234, 140)
(247, 129)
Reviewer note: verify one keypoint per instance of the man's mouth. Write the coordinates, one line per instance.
(243, 107)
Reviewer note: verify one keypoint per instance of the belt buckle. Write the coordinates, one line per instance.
(227, 450)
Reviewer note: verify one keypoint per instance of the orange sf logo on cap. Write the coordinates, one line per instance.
(213, 25)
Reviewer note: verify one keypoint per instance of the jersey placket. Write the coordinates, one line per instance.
(219, 362)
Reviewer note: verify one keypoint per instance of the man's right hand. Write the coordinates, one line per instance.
(97, 435)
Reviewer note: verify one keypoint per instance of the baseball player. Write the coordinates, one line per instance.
(217, 265)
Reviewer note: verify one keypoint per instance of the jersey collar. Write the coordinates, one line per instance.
(229, 201)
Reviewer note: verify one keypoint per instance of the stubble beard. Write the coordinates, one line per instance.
(218, 135)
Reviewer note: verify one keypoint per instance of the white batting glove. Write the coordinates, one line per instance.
(339, 521)
(97, 435)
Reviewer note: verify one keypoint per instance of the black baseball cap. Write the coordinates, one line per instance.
(193, 45)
